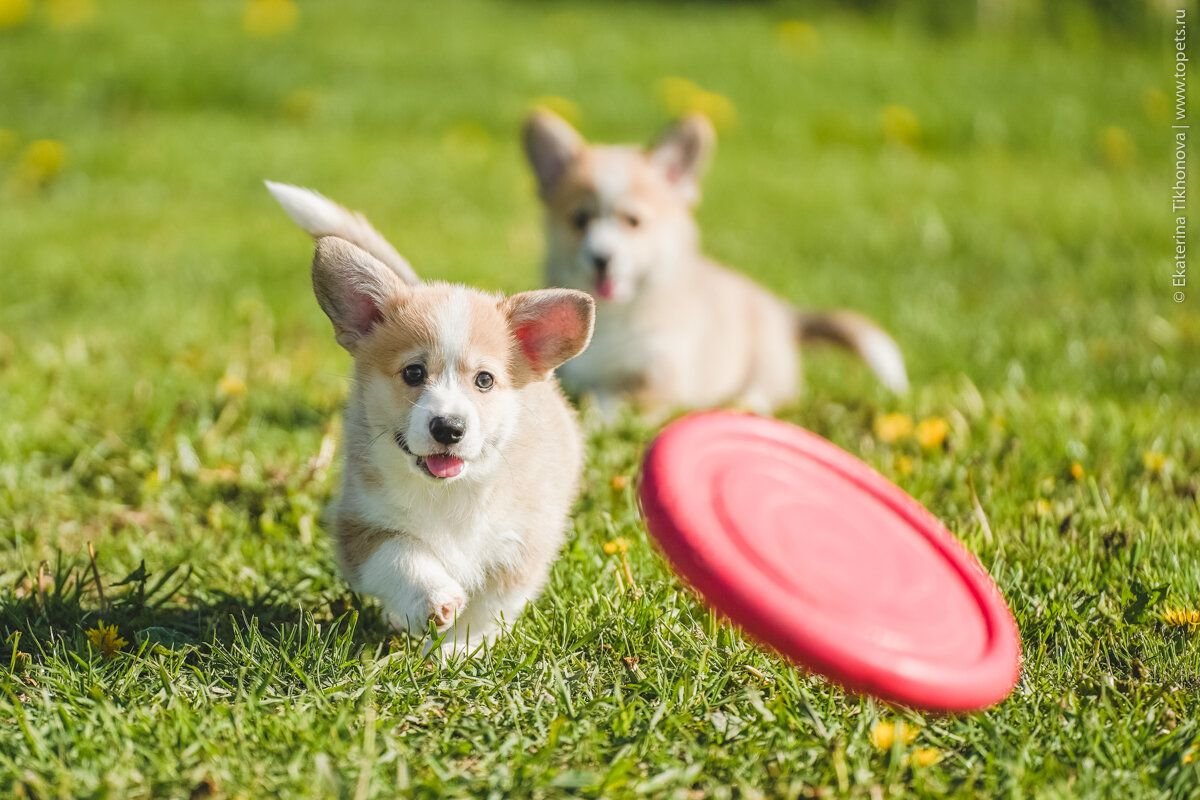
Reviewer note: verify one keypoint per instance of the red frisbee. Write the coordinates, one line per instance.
(817, 555)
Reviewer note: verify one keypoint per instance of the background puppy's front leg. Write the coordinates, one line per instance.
(413, 585)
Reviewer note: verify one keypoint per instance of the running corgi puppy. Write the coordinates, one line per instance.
(674, 329)
(462, 457)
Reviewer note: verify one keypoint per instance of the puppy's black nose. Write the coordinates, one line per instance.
(447, 430)
(600, 261)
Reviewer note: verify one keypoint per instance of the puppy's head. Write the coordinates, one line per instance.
(617, 218)
(439, 368)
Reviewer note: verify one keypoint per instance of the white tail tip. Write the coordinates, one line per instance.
(312, 211)
(883, 356)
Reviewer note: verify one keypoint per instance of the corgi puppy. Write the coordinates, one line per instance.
(462, 456)
(674, 329)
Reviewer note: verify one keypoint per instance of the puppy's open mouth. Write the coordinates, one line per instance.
(605, 288)
(440, 466)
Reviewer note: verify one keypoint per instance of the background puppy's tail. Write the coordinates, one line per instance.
(320, 216)
(861, 336)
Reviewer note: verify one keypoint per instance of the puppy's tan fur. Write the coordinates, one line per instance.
(465, 552)
(673, 328)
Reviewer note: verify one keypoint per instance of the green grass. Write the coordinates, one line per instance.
(1019, 251)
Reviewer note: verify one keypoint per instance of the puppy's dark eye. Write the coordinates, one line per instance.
(413, 374)
(484, 381)
(632, 220)
(580, 219)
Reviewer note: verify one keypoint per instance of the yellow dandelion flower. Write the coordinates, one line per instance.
(71, 13)
(14, 12)
(105, 640)
(900, 125)
(926, 756)
(1077, 471)
(1154, 461)
(41, 162)
(931, 433)
(618, 545)
(904, 466)
(1189, 756)
(798, 36)
(231, 385)
(1181, 617)
(676, 92)
(718, 108)
(886, 733)
(567, 109)
(1116, 146)
(619, 482)
(1044, 507)
(267, 18)
(152, 483)
(891, 428)
(681, 97)
(47, 155)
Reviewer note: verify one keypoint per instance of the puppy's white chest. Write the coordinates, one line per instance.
(469, 546)
(470, 554)
(461, 531)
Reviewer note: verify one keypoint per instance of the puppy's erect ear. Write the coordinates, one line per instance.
(353, 288)
(551, 144)
(683, 153)
(549, 326)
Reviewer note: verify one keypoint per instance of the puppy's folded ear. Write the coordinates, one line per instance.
(353, 287)
(548, 326)
(683, 153)
(551, 144)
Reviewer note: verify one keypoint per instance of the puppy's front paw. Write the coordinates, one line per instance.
(412, 611)
(445, 606)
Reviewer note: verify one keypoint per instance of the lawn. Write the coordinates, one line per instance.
(170, 392)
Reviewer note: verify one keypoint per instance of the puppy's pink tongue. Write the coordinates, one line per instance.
(443, 466)
(605, 288)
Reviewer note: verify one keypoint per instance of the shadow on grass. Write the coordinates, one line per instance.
(53, 608)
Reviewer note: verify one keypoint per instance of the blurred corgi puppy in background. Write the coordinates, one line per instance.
(462, 457)
(674, 329)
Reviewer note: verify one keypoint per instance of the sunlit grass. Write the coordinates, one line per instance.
(170, 394)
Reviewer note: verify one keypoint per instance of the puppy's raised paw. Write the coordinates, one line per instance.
(412, 611)
(444, 608)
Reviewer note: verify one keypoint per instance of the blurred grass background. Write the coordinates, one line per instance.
(866, 162)
(990, 180)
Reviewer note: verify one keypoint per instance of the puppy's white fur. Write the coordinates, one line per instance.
(673, 328)
(464, 549)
